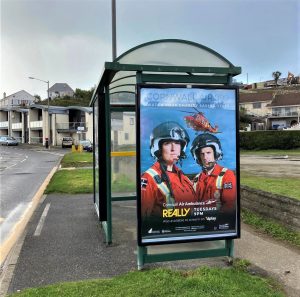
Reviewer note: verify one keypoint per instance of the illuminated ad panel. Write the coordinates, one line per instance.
(188, 166)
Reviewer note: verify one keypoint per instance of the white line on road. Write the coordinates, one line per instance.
(40, 225)
(26, 157)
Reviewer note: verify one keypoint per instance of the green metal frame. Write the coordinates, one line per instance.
(158, 74)
(144, 257)
(111, 68)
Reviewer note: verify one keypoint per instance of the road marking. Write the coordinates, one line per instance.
(40, 225)
(26, 157)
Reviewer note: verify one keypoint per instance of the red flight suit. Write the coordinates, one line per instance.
(154, 191)
(217, 189)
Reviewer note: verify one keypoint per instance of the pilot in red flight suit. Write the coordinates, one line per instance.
(164, 185)
(215, 185)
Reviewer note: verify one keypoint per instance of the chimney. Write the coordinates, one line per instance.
(4, 95)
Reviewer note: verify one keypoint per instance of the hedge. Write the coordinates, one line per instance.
(263, 140)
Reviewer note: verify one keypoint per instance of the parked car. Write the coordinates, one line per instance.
(67, 142)
(86, 145)
(8, 140)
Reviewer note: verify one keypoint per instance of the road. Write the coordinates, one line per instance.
(23, 169)
(271, 166)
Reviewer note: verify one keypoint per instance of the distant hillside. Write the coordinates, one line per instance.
(81, 98)
(279, 89)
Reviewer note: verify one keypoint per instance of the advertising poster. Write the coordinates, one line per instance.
(187, 164)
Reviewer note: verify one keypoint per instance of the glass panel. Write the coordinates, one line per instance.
(122, 98)
(126, 77)
(123, 139)
(170, 53)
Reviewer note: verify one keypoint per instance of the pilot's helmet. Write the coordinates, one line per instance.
(205, 140)
(168, 131)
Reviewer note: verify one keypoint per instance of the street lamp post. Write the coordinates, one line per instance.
(114, 34)
(48, 98)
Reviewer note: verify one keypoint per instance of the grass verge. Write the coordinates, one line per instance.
(289, 187)
(80, 181)
(121, 183)
(83, 159)
(71, 182)
(271, 228)
(204, 282)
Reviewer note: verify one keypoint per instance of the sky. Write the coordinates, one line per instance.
(68, 41)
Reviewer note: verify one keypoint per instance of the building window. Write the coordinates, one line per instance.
(131, 121)
(126, 136)
(256, 105)
(276, 111)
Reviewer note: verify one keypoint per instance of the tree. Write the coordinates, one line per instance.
(245, 119)
(37, 98)
(81, 98)
(276, 75)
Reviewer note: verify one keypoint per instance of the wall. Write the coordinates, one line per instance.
(257, 111)
(127, 135)
(89, 125)
(59, 119)
(283, 209)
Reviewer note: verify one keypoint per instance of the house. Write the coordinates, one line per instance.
(21, 98)
(60, 90)
(273, 109)
(37, 122)
(284, 111)
(255, 103)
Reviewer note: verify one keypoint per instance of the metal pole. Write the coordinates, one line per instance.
(141, 254)
(108, 165)
(49, 123)
(113, 21)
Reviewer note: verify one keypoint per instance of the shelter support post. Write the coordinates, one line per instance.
(108, 225)
(229, 244)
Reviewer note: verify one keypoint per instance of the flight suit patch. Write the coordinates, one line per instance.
(227, 186)
(144, 183)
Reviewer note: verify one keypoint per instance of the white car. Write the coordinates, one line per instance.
(8, 140)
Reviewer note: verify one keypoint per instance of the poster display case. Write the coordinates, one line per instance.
(187, 162)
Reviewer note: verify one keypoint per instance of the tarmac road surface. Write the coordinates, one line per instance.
(275, 166)
(23, 169)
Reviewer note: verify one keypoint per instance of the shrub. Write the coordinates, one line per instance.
(264, 140)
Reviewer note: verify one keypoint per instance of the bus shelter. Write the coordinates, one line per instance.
(183, 89)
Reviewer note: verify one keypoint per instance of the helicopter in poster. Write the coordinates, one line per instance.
(198, 122)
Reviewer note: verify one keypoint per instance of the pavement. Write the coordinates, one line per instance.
(64, 241)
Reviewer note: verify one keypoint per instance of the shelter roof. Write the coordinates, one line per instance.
(169, 57)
